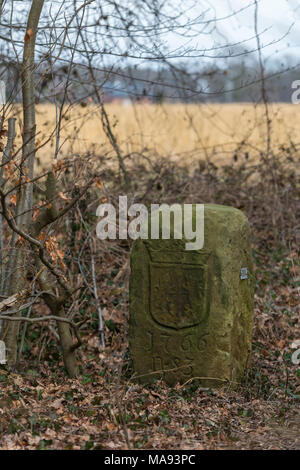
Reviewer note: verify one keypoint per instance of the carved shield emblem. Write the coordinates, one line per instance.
(177, 294)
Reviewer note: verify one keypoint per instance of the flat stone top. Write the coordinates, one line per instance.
(219, 221)
(209, 209)
(219, 207)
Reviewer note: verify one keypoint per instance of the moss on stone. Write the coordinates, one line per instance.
(190, 313)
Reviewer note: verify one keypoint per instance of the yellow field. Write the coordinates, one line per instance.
(181, 132)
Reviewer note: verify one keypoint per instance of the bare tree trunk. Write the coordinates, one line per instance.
(5, 157)
(55, 303)
(25, 196)
(66, 342)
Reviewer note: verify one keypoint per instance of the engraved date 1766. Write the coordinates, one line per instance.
(174, 353)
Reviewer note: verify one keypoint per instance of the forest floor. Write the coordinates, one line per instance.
(105, 408)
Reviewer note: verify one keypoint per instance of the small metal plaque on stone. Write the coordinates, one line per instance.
(244, 273)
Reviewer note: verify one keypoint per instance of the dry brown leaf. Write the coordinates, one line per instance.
(42, 236)
(13, 199)
(63, 196)
(36, 212)
(28, 35)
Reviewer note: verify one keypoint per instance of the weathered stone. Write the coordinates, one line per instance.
(191, 312)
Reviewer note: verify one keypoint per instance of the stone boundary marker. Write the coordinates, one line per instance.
(191, 312)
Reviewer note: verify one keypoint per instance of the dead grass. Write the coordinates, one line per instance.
(182, 133)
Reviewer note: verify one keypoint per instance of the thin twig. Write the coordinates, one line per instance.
(101, 331)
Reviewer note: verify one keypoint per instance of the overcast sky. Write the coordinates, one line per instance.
(277, 16)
